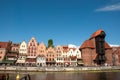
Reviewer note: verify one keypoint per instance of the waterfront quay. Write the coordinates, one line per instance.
(39, 69)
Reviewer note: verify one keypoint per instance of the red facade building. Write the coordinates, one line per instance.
(96, 51)
(4, 49)
(116, 55)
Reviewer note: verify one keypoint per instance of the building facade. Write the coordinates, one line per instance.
(116, 55)
(65, 55)
(12, 55)
(51, 56)
(22, 53)
(41, 55)
(4, 49)
(59, 58)
(31, 52)
(73, 57)
(96, 51)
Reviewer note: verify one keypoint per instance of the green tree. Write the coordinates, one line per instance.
(50, 43)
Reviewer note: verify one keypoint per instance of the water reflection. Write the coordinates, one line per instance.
(76, 76)
(70, 75)
(4, 76)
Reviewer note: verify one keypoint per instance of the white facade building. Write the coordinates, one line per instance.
(59, 58)
(22, 53)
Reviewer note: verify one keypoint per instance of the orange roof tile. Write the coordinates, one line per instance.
(3, 44)
(107, 46)
(98, 32)
(65, 48)
(87, 44)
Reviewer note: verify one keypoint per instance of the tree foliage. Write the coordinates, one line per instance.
(50, 43)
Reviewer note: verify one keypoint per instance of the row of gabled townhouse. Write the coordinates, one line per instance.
(93, 52)
(34, 54)
(40, 55)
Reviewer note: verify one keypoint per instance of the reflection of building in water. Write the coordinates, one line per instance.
(39, 76)
(4, 76)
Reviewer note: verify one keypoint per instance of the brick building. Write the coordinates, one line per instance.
(4, 49)
(96, 51)
(116, 55)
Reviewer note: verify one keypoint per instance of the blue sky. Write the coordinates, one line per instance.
(64, 21)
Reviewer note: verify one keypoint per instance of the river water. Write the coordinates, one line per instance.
(69, 75)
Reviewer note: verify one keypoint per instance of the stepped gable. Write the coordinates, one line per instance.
(65, 48)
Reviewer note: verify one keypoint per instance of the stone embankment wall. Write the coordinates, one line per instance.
(17, 68)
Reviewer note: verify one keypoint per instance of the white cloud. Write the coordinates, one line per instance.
(72, 46)
(114, 7)
(113, 45)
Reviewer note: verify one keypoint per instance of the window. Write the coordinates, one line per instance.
(33, 44)
(41, 51)
(32, 40)
(77, 51)
(16, 49)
